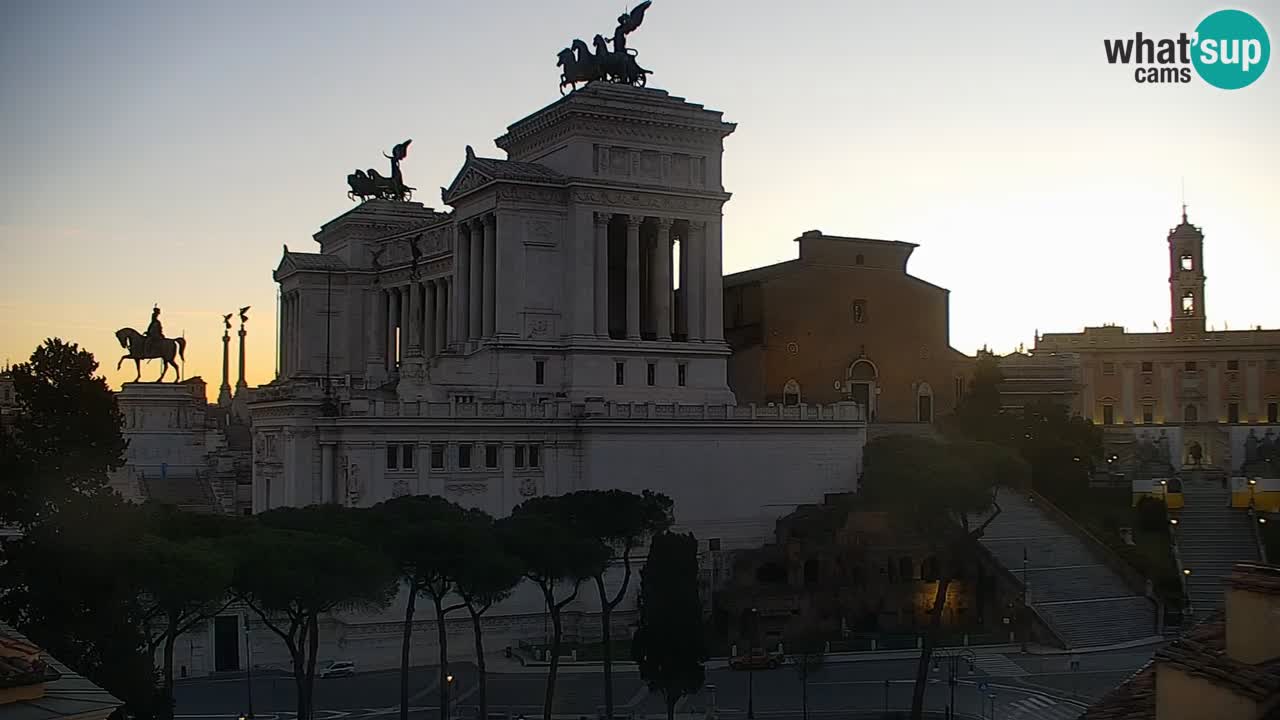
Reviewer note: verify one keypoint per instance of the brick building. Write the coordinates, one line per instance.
(844, 321)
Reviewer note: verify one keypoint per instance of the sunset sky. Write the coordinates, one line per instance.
(161, 152)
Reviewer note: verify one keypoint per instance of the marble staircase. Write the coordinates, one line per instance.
(1212, 536)
(1086, 602)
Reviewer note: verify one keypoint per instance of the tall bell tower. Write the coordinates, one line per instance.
(1186, 278)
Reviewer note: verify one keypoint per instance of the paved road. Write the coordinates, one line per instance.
(1024, 686)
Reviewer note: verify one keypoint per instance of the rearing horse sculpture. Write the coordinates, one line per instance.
(166, 349)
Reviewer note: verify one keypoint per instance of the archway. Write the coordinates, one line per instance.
(924, 403)
(862, 375)
(791, 393)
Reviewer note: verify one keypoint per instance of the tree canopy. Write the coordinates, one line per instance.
(669, 644)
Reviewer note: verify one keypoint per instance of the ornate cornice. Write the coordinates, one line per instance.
(645, 200)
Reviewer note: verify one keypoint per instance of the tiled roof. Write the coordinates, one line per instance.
(1263, 579)
(516, 170)
(66, 694)
(315, 261)
(1201, 653)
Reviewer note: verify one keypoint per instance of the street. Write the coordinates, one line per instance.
(1020, 686)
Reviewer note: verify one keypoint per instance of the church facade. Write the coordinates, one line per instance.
(530, 340)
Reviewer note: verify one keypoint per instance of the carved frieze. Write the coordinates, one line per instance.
(647, 201)
(531, 194)
(528, 487)
(473, 488)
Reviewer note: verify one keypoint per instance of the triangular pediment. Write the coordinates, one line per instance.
(469, 178)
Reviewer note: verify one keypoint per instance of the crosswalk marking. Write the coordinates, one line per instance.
(1038, 707)
(998, 665)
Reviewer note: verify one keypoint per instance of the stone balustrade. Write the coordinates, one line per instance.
(845, 412)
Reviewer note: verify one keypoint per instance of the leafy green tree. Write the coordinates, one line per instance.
(488, 576)
(1061, 450)
(67, 583)
(289, 578)
(65, 437)
(181, 584)
(670, 643)
(946, 493)
(424, 537)
(621, 521)
(540, 533)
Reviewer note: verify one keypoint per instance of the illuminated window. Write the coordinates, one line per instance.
(1188, 263)
(1188, 303)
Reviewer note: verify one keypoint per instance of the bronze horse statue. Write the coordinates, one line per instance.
(165, 349)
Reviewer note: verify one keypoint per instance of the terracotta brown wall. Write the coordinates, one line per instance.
(804, 323)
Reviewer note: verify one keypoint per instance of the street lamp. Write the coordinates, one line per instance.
(952, 660)
(448, 698)
(248, 669)
(751, 668)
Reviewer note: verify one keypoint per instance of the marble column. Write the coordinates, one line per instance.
(442, 313)
(461, 283)
(405, 323)
(429, 319)
(660, 279)
(475, 295)
(326, 473)
(602, 274)
(375, 327)
(415, 319)
(682, 319)
(713, 293)
(693, 293)
(489, 276)
(633, 277)
(393, 315)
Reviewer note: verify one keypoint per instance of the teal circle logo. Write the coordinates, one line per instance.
(1232, 49)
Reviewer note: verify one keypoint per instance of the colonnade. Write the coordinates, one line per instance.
(410, 321)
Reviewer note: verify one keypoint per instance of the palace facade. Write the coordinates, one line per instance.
(1216, 385)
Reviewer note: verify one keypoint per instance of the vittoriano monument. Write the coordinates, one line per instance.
(370, 184)
(150, 346)
(618, 66)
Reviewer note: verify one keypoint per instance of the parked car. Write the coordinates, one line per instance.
(757, 659)
(337, 668)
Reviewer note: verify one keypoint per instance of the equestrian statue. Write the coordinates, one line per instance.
(580, 65)
(369, 184)
(152, 345)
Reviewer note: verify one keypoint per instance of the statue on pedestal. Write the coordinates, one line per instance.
(152, 345)
(616, 66)
(370, 184)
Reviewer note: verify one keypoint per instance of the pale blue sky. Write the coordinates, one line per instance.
(163, 152)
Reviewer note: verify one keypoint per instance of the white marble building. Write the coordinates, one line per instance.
(535, 342)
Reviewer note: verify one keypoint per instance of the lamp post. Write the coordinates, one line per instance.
(952, 660)
(448, 698)
(248, 666)
(1164, 492)
(751, 669)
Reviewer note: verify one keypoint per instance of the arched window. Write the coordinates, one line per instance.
(1188, 303)
(1190, 414)
(858, 260)
(924, 403)
(791, 393)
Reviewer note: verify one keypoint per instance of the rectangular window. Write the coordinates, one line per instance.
(619, 373)
(1147, 366)
(464, 457)
(1108, 415)
(682, 374)
(535, 453)
(491, 456)
(1190, 366)
(1273, 412)
(650, 374)
(1108, 368)
(539, 372)
(1233, 365)
(1148, 414)
(437, 457)
(1233, 412)
(406, 457)
(393, 457)
(520, 456)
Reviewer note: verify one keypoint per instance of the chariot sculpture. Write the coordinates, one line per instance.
(370, 184)
(580, 65)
